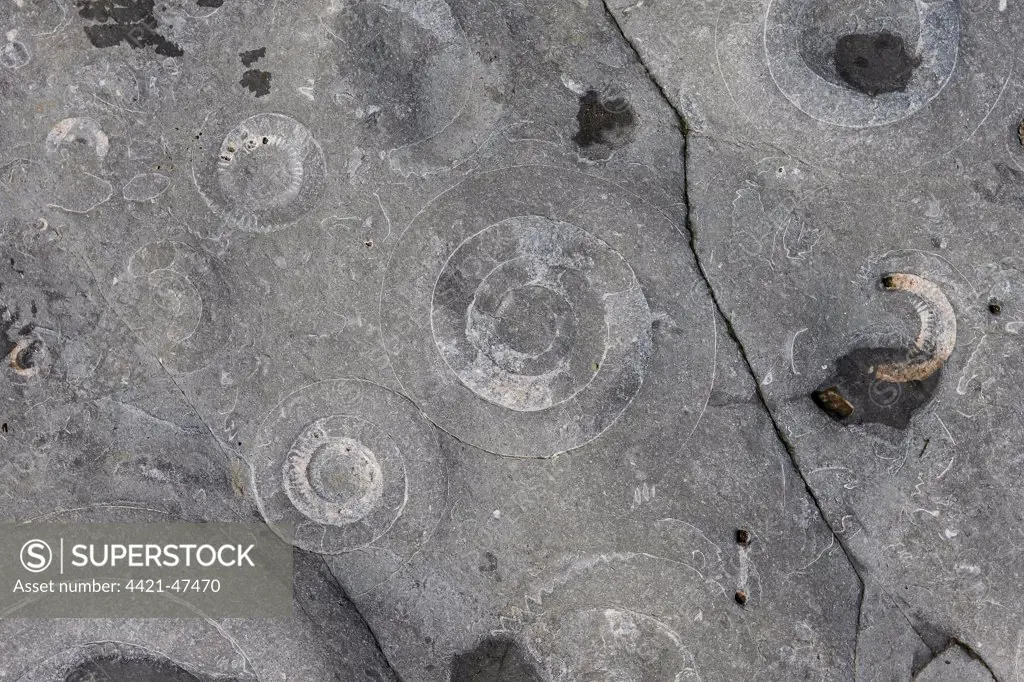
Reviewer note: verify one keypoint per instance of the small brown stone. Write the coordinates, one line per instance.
(741, 597)
(743, 537)
(833, 402)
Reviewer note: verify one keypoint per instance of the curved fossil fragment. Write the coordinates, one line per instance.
(937, 338)
(20, 357)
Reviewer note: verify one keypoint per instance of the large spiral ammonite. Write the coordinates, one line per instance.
(514, 313)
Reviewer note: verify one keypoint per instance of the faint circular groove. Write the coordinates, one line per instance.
(587, 282)
(425, 128)
(518, 323)
(875, 136)
(72, 664)
(624, 616)
(168, 294)
(345, 464)
(805, 87)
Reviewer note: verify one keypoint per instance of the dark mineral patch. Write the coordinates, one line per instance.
(125, 21)
(250, 57)
(494, 660)
(210, 3)
(853, 395)
(606, 122)
(874, 63)
(490, 563)
(257, 81)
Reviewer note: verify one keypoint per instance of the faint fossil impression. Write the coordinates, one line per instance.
(340, 465)
(81, 129)
(169, 296)
(14, 54)
(886, 385)
(627, 616)
(412, 75)
(146, 187)
(129, 650)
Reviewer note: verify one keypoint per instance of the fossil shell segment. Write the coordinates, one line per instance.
(71, 129)
(14, 54)
(409, 69)
(937, 338)
(854, 84)
(146, 187)
(527, 311)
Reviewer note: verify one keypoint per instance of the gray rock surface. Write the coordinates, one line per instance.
(559, 331)
(954, 663)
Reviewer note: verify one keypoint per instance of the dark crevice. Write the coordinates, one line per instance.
(362, 618)
(684, 131)
(860, 626)
(975, 656)
(938, 642)
(680, 119)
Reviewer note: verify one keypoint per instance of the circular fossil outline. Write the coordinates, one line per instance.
(14, 54)
(539, 246)
(469, 119)
(61, 663)
(58, 645)
(306, 481)
(560, 195)
(938, 49)
(737, 41)
(408, 513)
(619, 626)
(225, 180)
(183, 344)
(676, 598)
